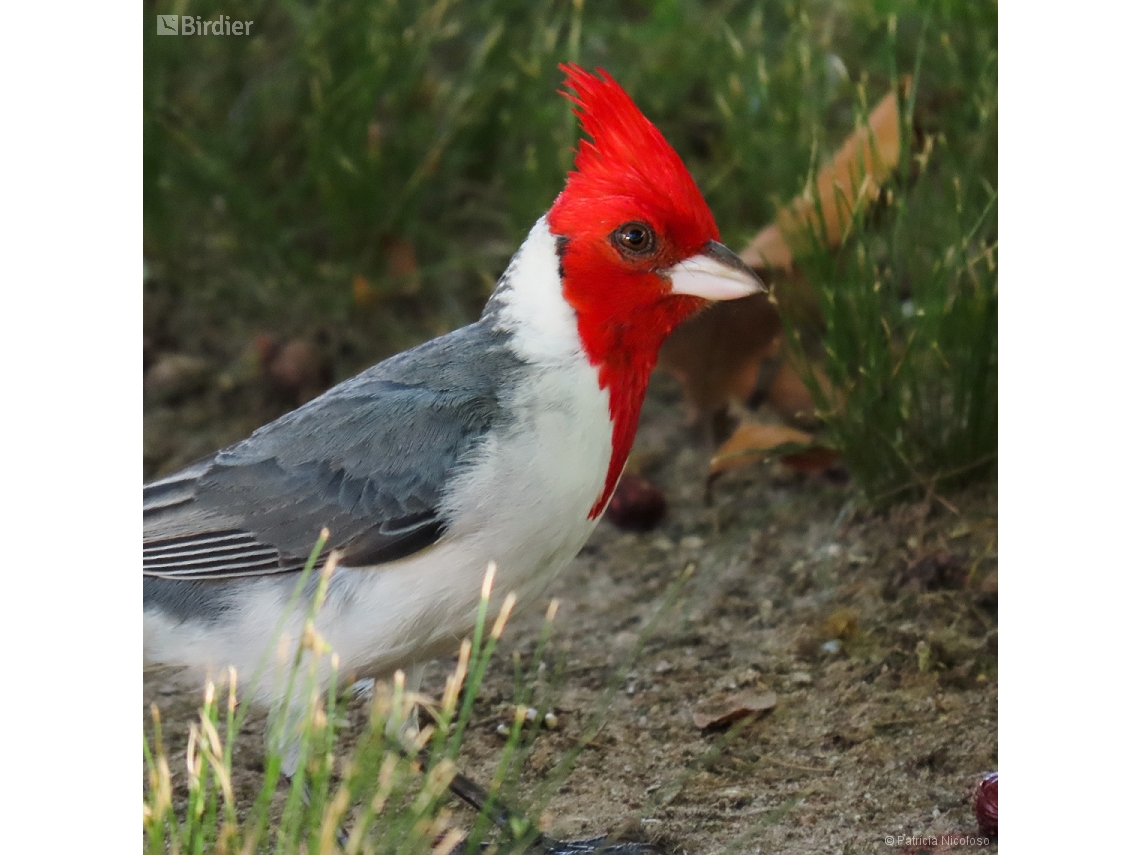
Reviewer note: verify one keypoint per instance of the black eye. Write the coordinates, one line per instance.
(634, 238)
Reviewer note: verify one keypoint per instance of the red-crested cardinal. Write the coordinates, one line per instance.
(501, 441)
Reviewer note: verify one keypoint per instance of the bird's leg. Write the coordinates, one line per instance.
(466, 790)
(512, 822)
(516, 824)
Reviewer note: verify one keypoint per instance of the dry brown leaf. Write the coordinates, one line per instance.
(812, 460)
(851, 179)
(752, 442)
(720, 712)
(756, 441)
(790, 397)
(769, 250)
(716, 355)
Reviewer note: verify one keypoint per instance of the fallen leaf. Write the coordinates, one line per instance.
(754, 441)
(720, 712)
(790, 397)
(716, 355)
(848, 182)
(769, 250)
(812, 461)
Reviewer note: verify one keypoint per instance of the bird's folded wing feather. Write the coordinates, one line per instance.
(370, 460)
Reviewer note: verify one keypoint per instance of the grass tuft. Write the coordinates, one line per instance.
(908, 302)
(385, 791)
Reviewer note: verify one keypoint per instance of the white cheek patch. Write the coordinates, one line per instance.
(544, 327)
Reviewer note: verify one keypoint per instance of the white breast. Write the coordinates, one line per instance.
(523, 504)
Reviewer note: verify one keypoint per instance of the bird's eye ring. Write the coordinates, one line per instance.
(634, 238)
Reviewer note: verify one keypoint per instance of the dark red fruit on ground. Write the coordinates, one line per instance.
(636, 505)
(985, 805)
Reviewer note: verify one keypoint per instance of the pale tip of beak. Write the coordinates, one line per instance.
(715, 273)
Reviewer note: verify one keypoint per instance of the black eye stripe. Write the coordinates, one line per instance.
(634, 238)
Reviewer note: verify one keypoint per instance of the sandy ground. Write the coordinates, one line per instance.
(876, 632)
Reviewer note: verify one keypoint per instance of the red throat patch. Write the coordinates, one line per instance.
(625, 358)
(628, 173)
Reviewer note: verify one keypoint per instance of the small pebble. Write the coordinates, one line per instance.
(692, 541)
(550, 720)
(832, 647)
(801, 678)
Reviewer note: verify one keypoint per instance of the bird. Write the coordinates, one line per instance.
(499, 442)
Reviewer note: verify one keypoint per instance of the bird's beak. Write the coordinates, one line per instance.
(714, 273)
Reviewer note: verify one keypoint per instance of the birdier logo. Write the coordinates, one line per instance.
(193, 25)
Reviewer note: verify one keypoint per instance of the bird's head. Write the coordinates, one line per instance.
(640, 250)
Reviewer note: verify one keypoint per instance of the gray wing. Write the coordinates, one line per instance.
(370, 460)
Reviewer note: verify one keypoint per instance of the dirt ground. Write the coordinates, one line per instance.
(877, 632)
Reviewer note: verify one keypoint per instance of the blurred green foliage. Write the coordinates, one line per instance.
(280, 166)
(338, 127)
